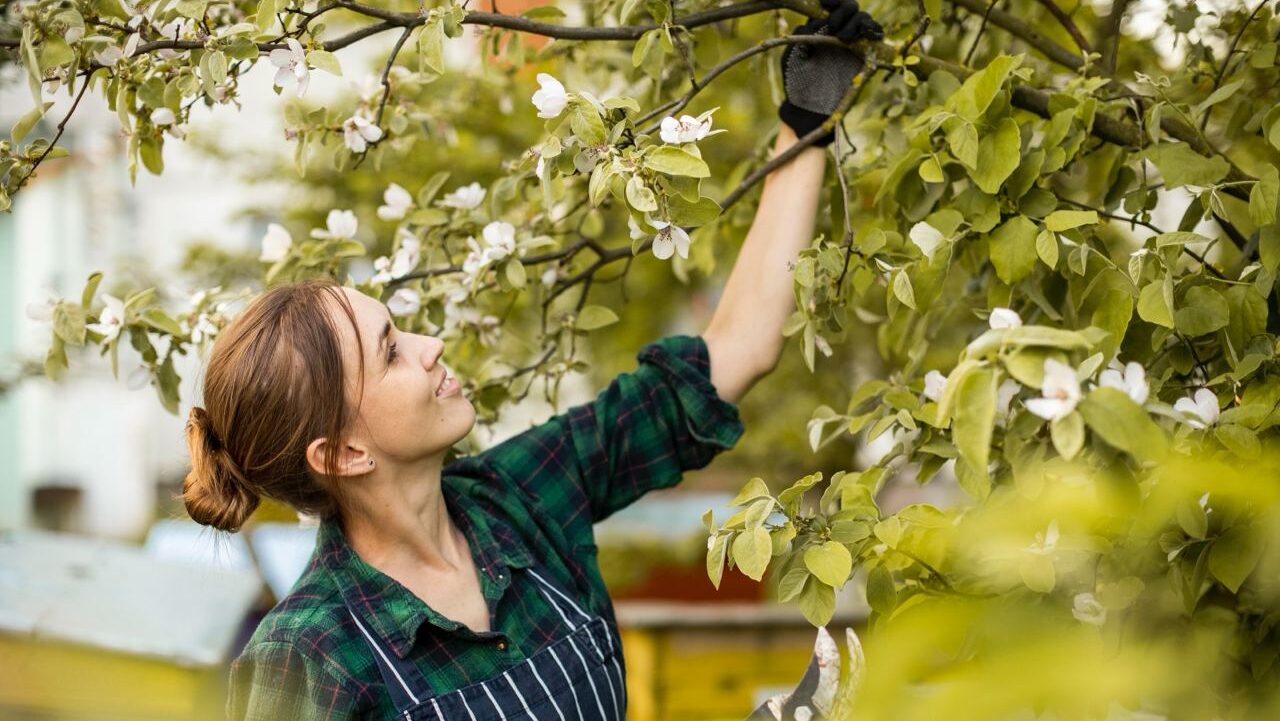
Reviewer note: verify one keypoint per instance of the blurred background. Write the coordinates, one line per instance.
(113, 604)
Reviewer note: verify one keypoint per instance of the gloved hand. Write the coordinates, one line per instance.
(815, 77)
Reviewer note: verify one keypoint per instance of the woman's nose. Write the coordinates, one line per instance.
(432, 352)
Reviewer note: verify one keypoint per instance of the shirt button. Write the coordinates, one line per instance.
(502, 645)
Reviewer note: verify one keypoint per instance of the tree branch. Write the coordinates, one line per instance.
(1067, 24)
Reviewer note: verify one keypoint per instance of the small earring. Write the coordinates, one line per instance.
(371, 461)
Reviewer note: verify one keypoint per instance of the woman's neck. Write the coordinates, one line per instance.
(402, 522)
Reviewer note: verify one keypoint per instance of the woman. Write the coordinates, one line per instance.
(471, 591)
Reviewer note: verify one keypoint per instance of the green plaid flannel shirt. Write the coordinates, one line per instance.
(534, 496)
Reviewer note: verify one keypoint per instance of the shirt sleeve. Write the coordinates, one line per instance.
(642, 432)
(274, 681)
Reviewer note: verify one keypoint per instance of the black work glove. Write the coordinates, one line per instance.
(815, 77)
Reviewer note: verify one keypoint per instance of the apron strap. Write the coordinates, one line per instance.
(403, 681)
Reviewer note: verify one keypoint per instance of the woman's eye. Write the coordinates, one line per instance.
(391, 354)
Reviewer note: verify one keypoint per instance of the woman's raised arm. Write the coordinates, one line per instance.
(744, 338)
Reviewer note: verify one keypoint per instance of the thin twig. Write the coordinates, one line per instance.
(1067, 24)
(62, 126)
(1222, 71)
(986, 16)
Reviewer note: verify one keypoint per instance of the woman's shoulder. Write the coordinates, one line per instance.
(312, 609)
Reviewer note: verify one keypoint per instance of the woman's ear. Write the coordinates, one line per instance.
(353, 460)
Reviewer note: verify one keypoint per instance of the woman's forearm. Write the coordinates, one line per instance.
(744, 338)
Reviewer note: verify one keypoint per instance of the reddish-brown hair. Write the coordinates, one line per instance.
(274, 383)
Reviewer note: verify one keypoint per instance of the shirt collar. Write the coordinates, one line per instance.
(394, 612)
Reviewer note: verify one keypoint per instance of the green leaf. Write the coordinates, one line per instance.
(1038, 573)
(90, 290)
(715, 559)
(326, 61)
(903, 291)
(751, 552)
(1067, 434)
(1116, 419)
(431, 47)
(69, 323)
(515, 273)
(962, 138)
(639, 196)
(817, 602)
(980, 88)
(1047, 248)
(831, 563)
(881, 594)
(586, 123)
(674, 160)
(544, 12)
(1153, 305)
(1239, 440)
(1263, 196)
(266, 14)
(1203, 310)
(755, 488)
(686, 213)
(998, 156)
(55, 359)
(593, 317)
(792, 582)
(1234, 555)
(1013, 249)
(1191, 517)
(1179, 165)
(975, 416)
(1060, 220)
(157, 319)
(1179, 238)
(27, 122)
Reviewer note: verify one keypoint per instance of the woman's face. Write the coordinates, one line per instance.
(405, 414)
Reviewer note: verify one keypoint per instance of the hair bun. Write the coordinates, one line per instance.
(216, 491)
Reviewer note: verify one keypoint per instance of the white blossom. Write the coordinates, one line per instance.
(110, 320)
(467, 197)
(550, 275)
(163, 117)
(926, 237)
(292, 64)
(500, 240)
(1045, 543)
(404, 301)
(108, 56)
(42, 311)
(203, 329)
(1004, 318)
(1059, 394)
(1203, 406)
(477, 259)
(634, 229)
(73, 34)
(1004, 396)
(1132, 379)
(396, 203)
(550, 98)
(669, 240)
(687, 129)
(487, 330)
(1088, 610)
(358, 132)
(340, 224)
(275, 244)
(934, 382)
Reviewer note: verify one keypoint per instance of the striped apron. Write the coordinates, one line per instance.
(577, 677)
